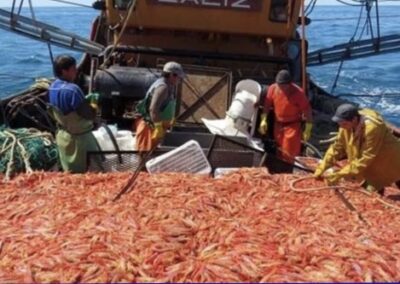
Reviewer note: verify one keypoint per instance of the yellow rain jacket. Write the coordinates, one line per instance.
(372, 151)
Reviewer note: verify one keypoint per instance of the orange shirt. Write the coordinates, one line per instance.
(288, 106)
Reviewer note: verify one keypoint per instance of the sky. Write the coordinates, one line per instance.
(89, 2)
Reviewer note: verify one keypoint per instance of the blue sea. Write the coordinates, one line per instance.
(23, 59)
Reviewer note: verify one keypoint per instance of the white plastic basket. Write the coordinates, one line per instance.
(188, 158)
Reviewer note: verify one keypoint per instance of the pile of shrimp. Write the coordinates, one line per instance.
(248, 226)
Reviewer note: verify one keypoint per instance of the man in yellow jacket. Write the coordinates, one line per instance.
(373, 153)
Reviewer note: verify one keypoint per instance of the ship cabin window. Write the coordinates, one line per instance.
(122, 4)
(279, 11)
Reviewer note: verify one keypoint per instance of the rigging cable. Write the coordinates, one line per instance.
(350, 41)
(303, 48)
(124, 25)
(21, 4)
(378, 27)
(375, 41)
(369, 21)
(51, 58)
(310, 7)
(14, 4)
(48, 43)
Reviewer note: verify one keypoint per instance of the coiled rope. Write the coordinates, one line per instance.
(292, 186)
(26, 150)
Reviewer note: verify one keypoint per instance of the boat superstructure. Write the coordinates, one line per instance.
(219, 43)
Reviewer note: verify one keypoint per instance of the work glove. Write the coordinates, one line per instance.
(263, 128)
(158, 131)
(93, 99)
(307, 131)
(332, 179)
(319, 171)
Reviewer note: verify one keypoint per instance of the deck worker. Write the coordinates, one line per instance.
(73, 114)
(291, 108)
(372, 151)
(157, 109)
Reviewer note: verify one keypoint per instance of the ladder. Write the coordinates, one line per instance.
(354, 50)
(46, 33)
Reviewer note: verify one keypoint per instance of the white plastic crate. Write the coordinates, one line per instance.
(188, 158)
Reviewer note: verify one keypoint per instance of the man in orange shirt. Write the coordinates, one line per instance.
(291, 108)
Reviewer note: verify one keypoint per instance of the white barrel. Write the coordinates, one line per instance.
(242, 109)
(243, 106)
(241, 112)
(250, 86)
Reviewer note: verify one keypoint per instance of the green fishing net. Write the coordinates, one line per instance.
(26, 150)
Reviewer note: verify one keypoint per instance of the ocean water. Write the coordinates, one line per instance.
(376, 80)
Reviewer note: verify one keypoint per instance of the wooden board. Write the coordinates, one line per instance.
(205, 93)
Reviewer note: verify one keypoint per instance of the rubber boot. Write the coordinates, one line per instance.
(381, 191)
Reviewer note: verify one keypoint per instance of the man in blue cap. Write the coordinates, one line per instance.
(372, 151)
(74, 115)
